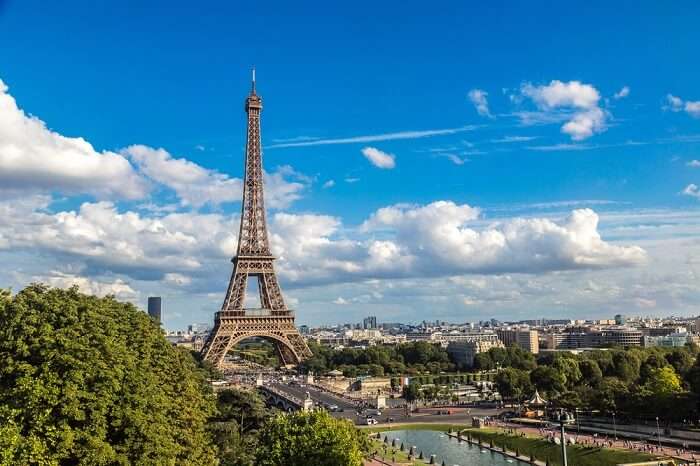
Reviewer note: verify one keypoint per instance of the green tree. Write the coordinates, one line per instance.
(590, 372)
(240, 413)
(663, 381)
(548, 379)
(309, 439)
(411, 392)
(626, 366)
(681, 359)
(92, 381)
(513, 383)
(569, 369)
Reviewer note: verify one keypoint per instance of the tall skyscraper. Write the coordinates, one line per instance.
(369, 322)
(154, 307)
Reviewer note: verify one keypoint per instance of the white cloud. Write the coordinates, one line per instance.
(509, 139)
(351, 180)
(376, 137)
(693, 163)
(118, 287)
(693, 108)
(191, 250)
(196, 186)
(379, 158)
(436, 235)
(340, 301)
(35, 159)
(579, 101)
(478, 97)
(177, 279)
(457, 160)
(676, 104)
(622, 93)
(193, 184)
(692, 190)
(328, 184)
(584, 124)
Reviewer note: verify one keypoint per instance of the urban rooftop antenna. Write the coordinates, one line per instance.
(253, 80)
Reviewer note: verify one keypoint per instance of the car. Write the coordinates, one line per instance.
(374, 412)
(370, 421)
(333, 408)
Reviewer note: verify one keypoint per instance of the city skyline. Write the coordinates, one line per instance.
(461, 177)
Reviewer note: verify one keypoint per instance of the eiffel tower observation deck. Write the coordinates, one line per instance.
(273, 320)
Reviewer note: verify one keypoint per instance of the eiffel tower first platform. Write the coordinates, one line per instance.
(272, 321)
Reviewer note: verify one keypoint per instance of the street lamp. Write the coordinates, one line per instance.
(658, 433)
(564, 418)
(578, 424)
(614, 426)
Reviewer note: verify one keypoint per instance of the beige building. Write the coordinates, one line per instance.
(525, 338)
(464, 351)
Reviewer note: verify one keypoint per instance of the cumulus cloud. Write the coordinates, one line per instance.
(193, 184)
(399, 241)
(379, 158)
(622, 93)
(105, 239)
(577, 100)
(693, 163)
(196, 186)
(34, 158)
(328, 184)
(692, 190)
(119, 288)
(478, 97)
(436, 236)
(676, 104)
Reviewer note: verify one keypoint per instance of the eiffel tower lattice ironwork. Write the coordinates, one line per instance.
(273, 321)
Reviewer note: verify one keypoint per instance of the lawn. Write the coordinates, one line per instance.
(543, 450)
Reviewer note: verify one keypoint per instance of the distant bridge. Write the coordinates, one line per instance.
(280, 399)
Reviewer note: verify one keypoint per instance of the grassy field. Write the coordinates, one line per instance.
(543, 450)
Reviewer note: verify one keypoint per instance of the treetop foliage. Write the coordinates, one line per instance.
(91, 381)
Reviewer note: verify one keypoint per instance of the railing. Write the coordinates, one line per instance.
(285, 395)
(257, 312)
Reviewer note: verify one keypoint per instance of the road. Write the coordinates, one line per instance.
(349, 410)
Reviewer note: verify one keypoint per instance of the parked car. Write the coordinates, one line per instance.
(370, 421)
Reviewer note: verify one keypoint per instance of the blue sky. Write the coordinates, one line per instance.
(522, 113)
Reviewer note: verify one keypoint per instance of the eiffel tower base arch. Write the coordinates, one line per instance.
(280, 330)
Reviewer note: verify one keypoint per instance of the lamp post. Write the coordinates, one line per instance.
(564, 418)
(658, 433)
(578, 424)
(614, 426)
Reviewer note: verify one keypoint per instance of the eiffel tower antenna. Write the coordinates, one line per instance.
(272, 321)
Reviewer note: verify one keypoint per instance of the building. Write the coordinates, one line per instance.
(464, 351)
(673, 340)
(369, 322)
(154, 308)
(571, 339)
(524, 337)
(620, 336)
(620, 319)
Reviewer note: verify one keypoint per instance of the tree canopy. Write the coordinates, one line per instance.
(310, 439)
(91, 381)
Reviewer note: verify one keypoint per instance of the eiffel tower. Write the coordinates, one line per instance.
(273, 321)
